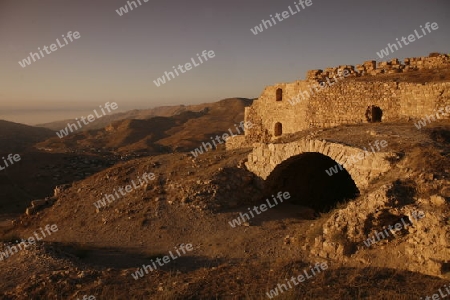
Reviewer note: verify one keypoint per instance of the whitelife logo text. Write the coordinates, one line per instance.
(393, 229)
(411, 38)
(352, 159)
(439, 115)
(128, 189)
(27, 61)
(242, 216)
(188, 66)
(31, 241)
(280, 17)
(124, 9)
(161, 261)
(11, 158)
(221, 139)
(73, 127)
(319, 267)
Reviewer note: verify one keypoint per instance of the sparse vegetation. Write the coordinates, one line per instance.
(232, 263)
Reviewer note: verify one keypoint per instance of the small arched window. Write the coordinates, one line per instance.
(278, 130)
(374, 114)
(279, 94)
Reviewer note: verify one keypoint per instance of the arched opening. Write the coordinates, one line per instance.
(279, 94)
(278, 129)
(374, 114)
(304, 176)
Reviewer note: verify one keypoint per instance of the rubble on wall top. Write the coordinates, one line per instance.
(370, 67)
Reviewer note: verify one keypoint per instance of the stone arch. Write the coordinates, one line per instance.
(304, 177)
(266, 157)
(278, 129)
(279, 94)
(374, 114)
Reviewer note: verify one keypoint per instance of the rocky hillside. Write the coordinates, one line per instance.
(48, 161)
(183, 131)
(142, 114)
(15, 137)
(98, 249)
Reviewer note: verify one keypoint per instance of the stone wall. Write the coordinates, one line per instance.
(337, 96)
(385, 67)
(236, 142)
(265, 112)
(347, 102)
(266, 157)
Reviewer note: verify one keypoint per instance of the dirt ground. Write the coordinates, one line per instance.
(191, 201)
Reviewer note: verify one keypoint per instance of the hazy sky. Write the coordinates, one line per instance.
(118, 57)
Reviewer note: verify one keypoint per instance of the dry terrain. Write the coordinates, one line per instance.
(191, 201)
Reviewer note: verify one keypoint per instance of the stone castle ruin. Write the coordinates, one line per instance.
(369, 92)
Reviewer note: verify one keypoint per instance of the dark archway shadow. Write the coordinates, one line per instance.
(304, 176)
(374, 114)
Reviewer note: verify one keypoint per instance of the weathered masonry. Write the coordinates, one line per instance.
(366, 94)
(299, 167)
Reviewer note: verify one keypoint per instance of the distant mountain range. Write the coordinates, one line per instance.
(160, 111)
(48, 160)
(153, 131)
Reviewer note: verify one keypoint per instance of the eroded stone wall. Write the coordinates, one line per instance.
(385, 67)
(347, 102)
(266, 157)
(342, 98)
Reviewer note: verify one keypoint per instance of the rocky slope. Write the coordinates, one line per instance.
(96, 250)
(48, 161)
